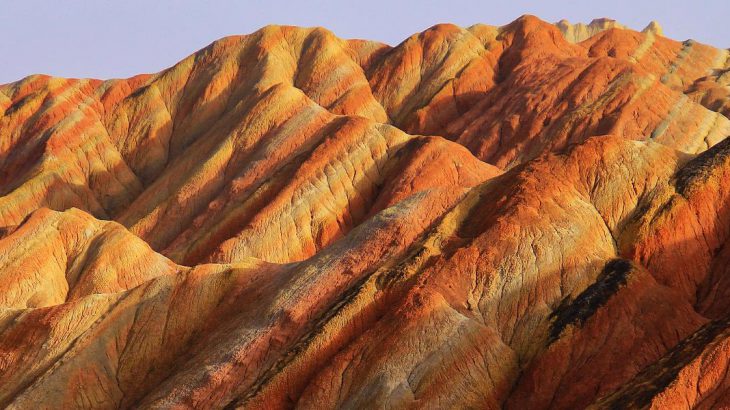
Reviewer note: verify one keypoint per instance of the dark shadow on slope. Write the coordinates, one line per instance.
(654, 379)
(575, 312)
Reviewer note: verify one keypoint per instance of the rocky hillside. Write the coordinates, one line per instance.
(527, 216)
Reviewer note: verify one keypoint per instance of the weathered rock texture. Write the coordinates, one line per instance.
(528, 216)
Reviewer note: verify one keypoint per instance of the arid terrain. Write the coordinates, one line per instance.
(531, 216)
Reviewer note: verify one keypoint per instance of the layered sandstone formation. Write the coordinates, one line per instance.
(526, 216)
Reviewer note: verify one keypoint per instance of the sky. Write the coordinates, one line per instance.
(121, 38)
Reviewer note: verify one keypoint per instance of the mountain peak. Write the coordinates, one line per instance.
(653, 27)
(575, 33)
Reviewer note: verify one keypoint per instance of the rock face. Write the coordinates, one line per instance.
(526, 216)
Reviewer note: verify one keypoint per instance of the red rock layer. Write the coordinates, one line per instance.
(527, 216)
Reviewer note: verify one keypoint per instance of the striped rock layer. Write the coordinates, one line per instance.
(527, 216)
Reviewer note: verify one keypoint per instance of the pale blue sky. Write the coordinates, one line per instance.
(105, 39)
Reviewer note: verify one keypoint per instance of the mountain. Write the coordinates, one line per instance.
(526, 216)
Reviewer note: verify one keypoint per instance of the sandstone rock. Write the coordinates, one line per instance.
(526, 216)
(56, 257)
(575, 33)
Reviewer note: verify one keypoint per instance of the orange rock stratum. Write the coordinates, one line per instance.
(531, 216)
